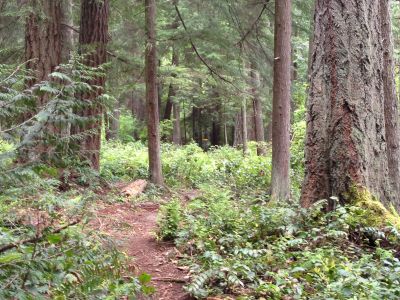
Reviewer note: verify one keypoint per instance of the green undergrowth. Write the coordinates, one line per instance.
(189, 166)
(255, 249)
(48, 250)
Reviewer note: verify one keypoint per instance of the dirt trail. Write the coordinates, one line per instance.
(133, 230)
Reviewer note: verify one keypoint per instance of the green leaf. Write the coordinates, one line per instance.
(10, 257)
(54, 238)
(144, 278)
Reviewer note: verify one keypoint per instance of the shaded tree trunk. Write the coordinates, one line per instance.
(244, 127)
(112, 124)
(43, 45)
(93, 38)
(390, 107)
(155, 171)
(172, 88)
(43, 49)
(345, 143)
(257, 112)
(281, 102)
(176, 134)
(197, 131)
(67, 33)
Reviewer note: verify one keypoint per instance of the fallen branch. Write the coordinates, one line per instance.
(37, 238)
(170, 279)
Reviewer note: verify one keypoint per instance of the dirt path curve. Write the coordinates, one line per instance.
(133, 230)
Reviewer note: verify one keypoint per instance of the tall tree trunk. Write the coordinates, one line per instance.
(176, 134)
(93, 38)
(390, 107)
(112, 124)
(156, 176)
(172, 88)
(43, 41)
(257, 111)
(66, 29)
(281, 102)
(345, 143)
(244, 126)
(43, 49)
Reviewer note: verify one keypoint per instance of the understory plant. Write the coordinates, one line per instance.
(265, 250)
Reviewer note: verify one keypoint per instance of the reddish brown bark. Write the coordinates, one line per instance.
(345, 143)
(93, 38)
(152, 96)
(43, 41)
(281, 101)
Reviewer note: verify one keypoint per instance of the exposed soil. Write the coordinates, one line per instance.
(133, 227)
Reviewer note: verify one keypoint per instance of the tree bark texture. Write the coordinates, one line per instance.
(281, 101)
(390, 107)
(67, 33)
(43, 41)
(93, 38)
(346, 137)
(156, 176)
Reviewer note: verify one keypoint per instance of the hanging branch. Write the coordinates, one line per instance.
(197, 52)
(244, 37)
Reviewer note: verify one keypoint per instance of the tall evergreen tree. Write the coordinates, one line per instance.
(153, 129)
(281, 101)
(93, 38)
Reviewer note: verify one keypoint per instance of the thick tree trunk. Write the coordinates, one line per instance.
(43, 41)
(155, 171)
(345, 143)
(281, 102)
(257, 112)
(390, 107)
(93, 38)
(43, 49)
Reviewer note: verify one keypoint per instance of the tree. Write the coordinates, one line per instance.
(390, 104)
(43, 41)
(67, 41)
(257, 111)
(93, 38)
(43, 53)
(346, 145)
(281, 101)
(156, 176)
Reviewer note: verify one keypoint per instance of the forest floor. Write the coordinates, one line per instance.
(133, 229)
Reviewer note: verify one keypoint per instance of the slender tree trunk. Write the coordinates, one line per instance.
(112, 124)
(156, 176)
(66, 29)
(257, 111)
(244, 126)
(281, 102)
(345, 143)
(176, 135)
(93, 38)
(390, 107)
